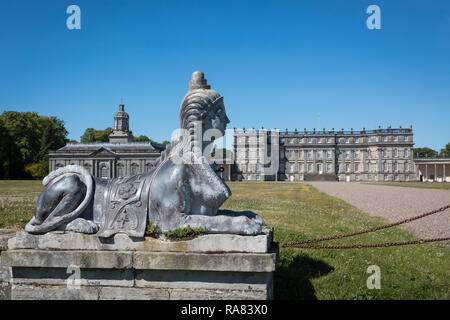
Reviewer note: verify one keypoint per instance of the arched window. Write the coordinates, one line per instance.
(148, 167)
(104, 172)
(120, 171)
(134, 169)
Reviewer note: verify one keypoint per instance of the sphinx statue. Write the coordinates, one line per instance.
(183, 189)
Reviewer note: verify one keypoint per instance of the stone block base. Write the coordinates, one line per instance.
(72, 266)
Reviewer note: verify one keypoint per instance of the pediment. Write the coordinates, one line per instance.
(102, 152)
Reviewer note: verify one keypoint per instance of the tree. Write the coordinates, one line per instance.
(53, 136)
(37, 170)
(424, 153)
(93, 135)
(26, 139)
(445, 153)
(142, 138)
(11, 164)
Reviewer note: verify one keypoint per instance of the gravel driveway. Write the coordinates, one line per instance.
(396, 203)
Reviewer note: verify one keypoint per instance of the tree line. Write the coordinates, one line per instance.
(94, 135)
(26, 138)
(430, 153)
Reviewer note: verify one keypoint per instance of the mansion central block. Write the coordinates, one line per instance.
(367, 155)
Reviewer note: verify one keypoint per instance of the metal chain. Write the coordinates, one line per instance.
(299, 244)
(359, 246)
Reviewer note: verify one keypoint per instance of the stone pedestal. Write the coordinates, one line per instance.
(76, 266)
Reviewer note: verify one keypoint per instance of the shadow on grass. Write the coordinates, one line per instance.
(292, 279)
(232, 213)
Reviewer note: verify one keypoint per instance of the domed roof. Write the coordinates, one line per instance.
(121, 113)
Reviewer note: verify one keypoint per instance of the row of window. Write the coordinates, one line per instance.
(396, 153)
(348, 167)
(386, 177)
(319, 154)
(253, 154)
(347, 140)
(386, 138)
(369, 177)
(104, 169)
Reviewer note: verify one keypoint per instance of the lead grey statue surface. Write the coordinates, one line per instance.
(182, 190)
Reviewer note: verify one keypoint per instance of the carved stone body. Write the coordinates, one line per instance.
(179, 192)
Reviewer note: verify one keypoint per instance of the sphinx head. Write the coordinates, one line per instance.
(202, 105)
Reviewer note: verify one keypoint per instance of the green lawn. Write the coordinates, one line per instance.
(17, 201)
(299, 212)
(425, 185)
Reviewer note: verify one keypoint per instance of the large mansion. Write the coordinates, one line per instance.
(367, 155)
(271, 155)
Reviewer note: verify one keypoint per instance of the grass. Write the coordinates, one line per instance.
(186, 233)
(17, 202)
(299, 212)
(424, 185)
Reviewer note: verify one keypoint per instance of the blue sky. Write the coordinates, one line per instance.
(278, 63)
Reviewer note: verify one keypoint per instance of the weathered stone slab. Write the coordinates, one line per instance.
(64, 259)
(31, 292)
(214, 294)
(45, 266)
(5, 291)
(114, 293)
(236, 262)
(4, 237)
(121, 242)
(203, 279)
(4, 271)
(6, 231)
(65, 276)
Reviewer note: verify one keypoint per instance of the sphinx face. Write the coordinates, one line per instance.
(217, 119)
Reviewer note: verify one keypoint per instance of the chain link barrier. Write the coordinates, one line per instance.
(302, 244)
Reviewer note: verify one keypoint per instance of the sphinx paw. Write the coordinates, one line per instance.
(258, 220)
(82, 225)
(248, 226)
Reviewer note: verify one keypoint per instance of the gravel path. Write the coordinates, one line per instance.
(396, 203)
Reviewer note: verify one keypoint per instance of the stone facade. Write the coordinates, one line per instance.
(116, 158)
(367, 155)
(74, 266)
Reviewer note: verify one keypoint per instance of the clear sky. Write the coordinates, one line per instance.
(278, 63)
